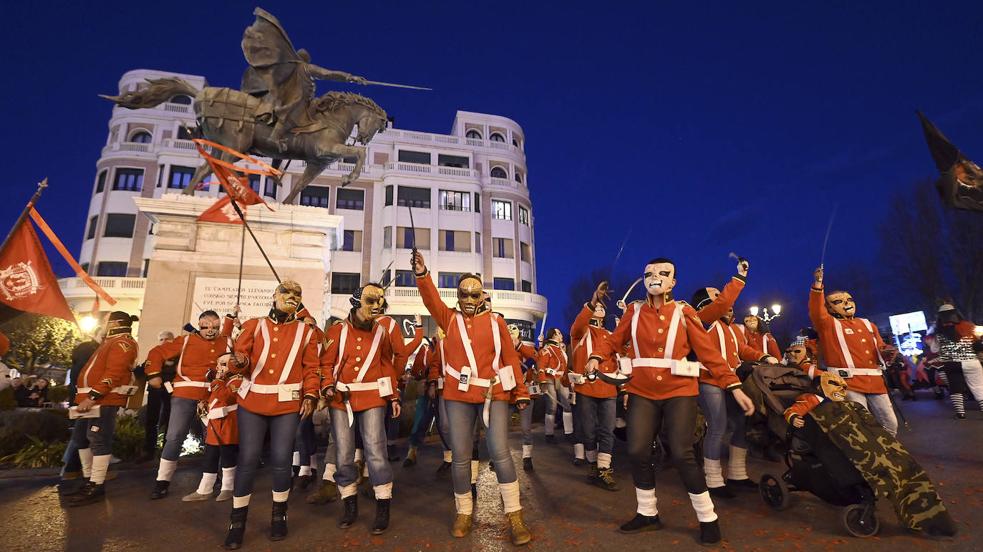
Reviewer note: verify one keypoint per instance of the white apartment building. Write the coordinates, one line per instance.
(468, 190)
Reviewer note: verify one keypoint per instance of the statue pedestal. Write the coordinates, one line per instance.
(195, 265)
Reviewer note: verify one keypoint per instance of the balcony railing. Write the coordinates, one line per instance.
(503, 182)
(418, 169)
(177, 143)
(428, 138)
(115, 286)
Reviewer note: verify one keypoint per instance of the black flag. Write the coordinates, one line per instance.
(961, 183)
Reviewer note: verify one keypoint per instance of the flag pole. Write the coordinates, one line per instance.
(27, 209)
(242, 254)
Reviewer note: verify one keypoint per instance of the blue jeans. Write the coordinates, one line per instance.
(422, 417)
(371, 424)
(96, 433)
(525, 423)
(70, 460)
(461, 418)
(252, 433)
(443, 425)
(596, 423)
(304, 444)
(219, 456)
(184, 412)
(722, 414)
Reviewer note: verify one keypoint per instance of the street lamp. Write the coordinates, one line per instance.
(88, 323)
(776, 311)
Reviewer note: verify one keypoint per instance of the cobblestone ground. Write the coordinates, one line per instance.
(563, 511)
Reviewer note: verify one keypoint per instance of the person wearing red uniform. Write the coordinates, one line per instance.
(426, 401)
(197, 354)
(221, 436)
(797, 354)
(435, 387)
(102, 387)
(278, 357)
(659, 333)
(851, 346)
(596, 399)
(533, 383)
(402, 350)
(759, 338)
(481, 374)
(716, 308)
(363, 381)
(552, 363)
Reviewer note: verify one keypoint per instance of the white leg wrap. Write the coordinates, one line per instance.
(464, 503)
(591, 456)
(207, 483)
(85, 457)
(527, 451)
(474, 471)
(365, 470)
(510, 496)
(603, 460)
(383, 492)
(228, 478)
(312, 461)
(100, 465)
(713, 472)
(348, 490)
(166, 469)
(703, 506)
(549, 423)
(241, 501)
(567, 423)
(646, 502)
(578, 450)
(329, 470)
(296, 459)
(447, 456)
(358, 455)
(737, 465)
(304, 470)
(281, 496)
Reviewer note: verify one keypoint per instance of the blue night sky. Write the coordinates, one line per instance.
(704, 129)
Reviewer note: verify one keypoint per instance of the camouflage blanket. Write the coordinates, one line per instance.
(887, 467)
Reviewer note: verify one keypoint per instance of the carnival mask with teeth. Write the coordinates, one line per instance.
(287, 297)
(841, 305)
(209, 326)
(369, 302)
(660, 277)
(751, 322)
(833, 386)
(470, 295)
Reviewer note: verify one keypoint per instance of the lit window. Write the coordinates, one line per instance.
(497, 137)
(405, 278)
(448, 279)
(128, 180)
(498, 172)
(455, 201)
(473, 135)
(314, 196)
(523, 215)
(501, 210)
(180, 177)
(350, 199)
(414, 197)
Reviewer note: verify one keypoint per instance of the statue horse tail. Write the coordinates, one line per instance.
(159, 91)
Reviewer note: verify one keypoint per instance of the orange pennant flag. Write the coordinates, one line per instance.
(60, 247)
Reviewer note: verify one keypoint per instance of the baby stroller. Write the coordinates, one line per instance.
(814, 464)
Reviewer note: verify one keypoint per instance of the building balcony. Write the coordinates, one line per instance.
(128, 293)
(504, 183)
(408, 136)
(415, 169)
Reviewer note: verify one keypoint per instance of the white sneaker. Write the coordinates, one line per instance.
(223, 496)
(195, 497)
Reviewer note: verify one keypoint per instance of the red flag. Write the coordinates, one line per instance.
(26, 280)
(222, 211)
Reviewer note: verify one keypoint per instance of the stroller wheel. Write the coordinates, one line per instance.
(774, 492)
(860, 520)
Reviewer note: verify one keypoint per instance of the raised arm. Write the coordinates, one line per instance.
(616, 341)
(440, 312)
(699, 341)
(818, 314)
(724, 302)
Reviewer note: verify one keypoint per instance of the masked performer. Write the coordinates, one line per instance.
(365, 389)
(553, 363)
(662, 391)
(716, 308)
(595, 398)
(851, 347)
(426, 402)
(401, 356)
(534, 385)
(278, 356)
(956, 345)
(481, 374)
(328, 490)
(759, 338)
(102, 388)
(221, 437)
(889, 470)
(197, 355)
(797, 354)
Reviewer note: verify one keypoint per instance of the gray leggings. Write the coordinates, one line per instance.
(525, 421)
(461, 419)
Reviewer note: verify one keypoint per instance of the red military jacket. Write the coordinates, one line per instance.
(282, 367)
(726, 338)
(763, 344)
(435, 366)
(483, 331)
(658, 335)
(852, 343)
(223, 424)
(361, 359)
(419, 371)
(401, 349)
(527, 352)
(586, 337)
(110, 367)
(802, 406)
(552, 357)
(196, 356)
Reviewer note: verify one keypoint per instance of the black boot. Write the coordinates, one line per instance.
(721, 492)
(742, 484)
(71, 488)
(474, 491)
(550, 439)
(709, 532)
(90, 493)
(351, 512)
(160, 490)
(381, 516)
(444, 468)
(641, 523)
(527, 464)
(278, 524)
(237, 527)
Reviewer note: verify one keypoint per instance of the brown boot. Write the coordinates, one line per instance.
(327, 492)
(462, 525)
(520, 533)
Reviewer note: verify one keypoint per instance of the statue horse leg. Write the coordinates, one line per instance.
(314, 168)
(205, 169)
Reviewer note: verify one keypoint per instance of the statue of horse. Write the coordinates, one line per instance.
(228, 117)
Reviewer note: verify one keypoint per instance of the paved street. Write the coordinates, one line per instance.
(563, 512)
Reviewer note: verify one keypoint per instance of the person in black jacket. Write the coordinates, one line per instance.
(158, 402)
